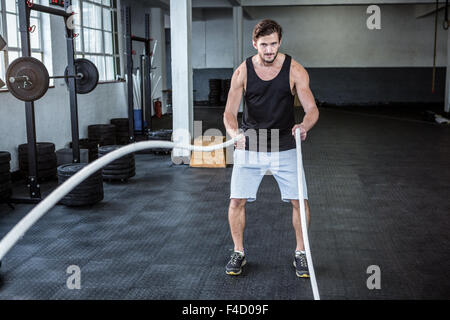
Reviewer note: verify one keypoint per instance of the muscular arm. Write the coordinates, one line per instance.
(234, 101)
(301, 82)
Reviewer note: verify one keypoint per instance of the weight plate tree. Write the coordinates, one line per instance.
(37, 88)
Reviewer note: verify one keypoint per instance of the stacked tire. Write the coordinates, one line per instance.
(122, 130)
(86, 144)
(120, 169)
(46, 160)
(165, 135)
(89, 192)
(101, 135)
(214, 91)
(225, 88)
(5, 176)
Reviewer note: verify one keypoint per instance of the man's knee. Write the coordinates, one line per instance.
(237, 203)
(296, 204)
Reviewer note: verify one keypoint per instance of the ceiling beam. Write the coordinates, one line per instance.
(235, 3)
(163, 4)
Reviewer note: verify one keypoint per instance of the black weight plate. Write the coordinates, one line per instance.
(5, 195)
(123, 142)
(129, 166)
(102, 137)
(106, 140)
(41, 164)
(90, 74)
(118, 171)
(41, 147)
(102, 131)
(83, 143)
(41, 157)
(70, 169)
(127, 173)
(96, 134)
(40, 167)
(81, 202)
(91, 181)
(107, 149)
(5, 167)
(5, 177)
(44, 164)
(118, 177)
(120, 121)
(92, 196)
(47, 173)
(5, 186)
(76, 201)
(97, 127)
(87, 190)
(38, 83)
(119, 166)
(42, 172)
(97, 182)
(5, 157)
(122, 175)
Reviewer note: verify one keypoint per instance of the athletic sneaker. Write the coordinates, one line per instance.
(234, 266)
(301, 265)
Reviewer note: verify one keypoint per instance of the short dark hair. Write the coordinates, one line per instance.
(266, 27)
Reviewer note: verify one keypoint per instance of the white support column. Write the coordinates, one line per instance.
(238, 41)
(182, 83)
(447, 78)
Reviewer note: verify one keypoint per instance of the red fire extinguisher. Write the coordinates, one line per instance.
(157, 106)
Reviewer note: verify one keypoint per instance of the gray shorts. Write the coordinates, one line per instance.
(251, 166)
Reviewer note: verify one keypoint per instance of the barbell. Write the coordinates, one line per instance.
(27, 78)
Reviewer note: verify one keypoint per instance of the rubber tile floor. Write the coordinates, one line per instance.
(379, 196)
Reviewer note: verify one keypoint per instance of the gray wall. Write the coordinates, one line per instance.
(347, 62)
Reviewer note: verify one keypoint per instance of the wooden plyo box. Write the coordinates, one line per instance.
(213, 159)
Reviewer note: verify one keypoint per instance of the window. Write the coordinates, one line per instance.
(9, 28)
(96, 24)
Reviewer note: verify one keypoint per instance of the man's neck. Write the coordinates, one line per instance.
(261, 62)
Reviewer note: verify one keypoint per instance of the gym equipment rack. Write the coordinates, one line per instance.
(25, 7)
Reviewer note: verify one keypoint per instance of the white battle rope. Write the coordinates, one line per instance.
(301, 201)
(52, 199)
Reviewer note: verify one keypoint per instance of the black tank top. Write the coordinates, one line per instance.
(269, 105)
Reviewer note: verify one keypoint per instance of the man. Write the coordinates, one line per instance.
(269, 81)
